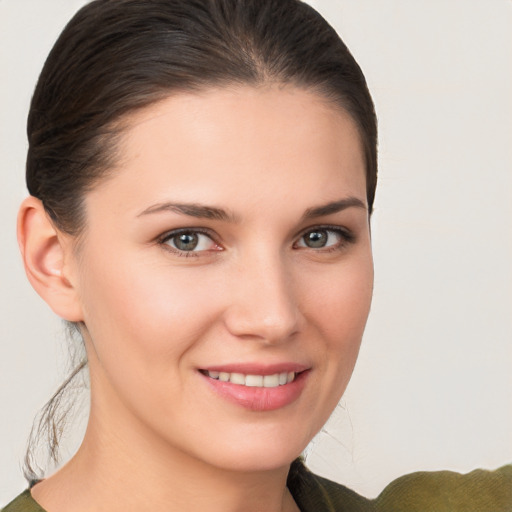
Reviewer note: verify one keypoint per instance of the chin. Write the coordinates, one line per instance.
(254, 463)
(255, 455)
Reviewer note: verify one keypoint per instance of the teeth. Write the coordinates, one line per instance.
(271, 381)
(237, 378)
(257, 381)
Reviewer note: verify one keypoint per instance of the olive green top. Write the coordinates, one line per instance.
(438, 491)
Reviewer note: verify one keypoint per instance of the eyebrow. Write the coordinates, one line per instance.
(192, 210)
(333, 207)
(213, 213)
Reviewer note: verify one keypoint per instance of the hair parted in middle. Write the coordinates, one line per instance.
(118, 56)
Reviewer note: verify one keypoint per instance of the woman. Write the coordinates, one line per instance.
(201, 179)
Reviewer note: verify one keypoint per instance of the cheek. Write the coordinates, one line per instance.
(147, 318)
(144, 327)
(340, 301)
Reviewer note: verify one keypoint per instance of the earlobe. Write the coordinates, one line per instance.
(45, 254)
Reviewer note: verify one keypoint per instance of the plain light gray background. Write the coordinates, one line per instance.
(433, 386)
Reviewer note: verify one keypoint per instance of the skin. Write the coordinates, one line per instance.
(158, 437)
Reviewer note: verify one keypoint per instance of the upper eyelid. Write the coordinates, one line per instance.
(327, 227)
(178, 231)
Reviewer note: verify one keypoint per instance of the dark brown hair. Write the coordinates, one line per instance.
(117, 56)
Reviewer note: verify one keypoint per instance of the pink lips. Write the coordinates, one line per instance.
(258, 398)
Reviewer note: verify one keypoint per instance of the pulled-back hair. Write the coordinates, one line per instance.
(117, 56)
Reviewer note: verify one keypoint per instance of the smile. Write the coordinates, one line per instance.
(255, 381)
(258, 388)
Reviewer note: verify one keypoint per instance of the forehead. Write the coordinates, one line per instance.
(223, 144)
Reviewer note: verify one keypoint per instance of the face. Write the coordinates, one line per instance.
(225, 274)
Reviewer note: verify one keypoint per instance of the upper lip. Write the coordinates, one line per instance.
(257, 368)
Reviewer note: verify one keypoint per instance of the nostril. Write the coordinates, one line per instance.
(268, 330)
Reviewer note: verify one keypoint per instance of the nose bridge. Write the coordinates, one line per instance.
(264, 304)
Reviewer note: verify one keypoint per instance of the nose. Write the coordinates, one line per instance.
(263, 301)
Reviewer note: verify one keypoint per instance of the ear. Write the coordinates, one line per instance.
(45, 252)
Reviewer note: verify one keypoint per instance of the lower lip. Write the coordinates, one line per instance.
(259, 398)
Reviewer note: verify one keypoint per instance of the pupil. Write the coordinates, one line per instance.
(186, 241)
(316, 239)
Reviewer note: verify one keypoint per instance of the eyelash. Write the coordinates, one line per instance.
(185, 231)
(345, 235)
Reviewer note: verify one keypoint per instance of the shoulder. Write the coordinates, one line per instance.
(23, 503)
(447, 491)
(439, 491)
(313, 493)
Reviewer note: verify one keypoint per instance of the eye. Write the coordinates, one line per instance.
(189, 241)
(321, 238)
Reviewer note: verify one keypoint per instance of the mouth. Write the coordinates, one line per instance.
(252, 380)
(257, 388)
